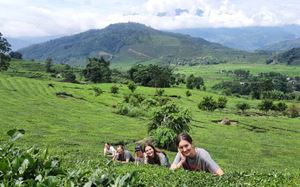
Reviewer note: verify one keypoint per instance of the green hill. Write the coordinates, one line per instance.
(133, 42)
(283, 46)
(290, 57)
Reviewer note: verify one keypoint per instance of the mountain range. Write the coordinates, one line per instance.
(245, 38)
(133, 42)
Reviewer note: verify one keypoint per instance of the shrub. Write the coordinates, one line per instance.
(222, 101)
(132, 86)
(293, 111)
(159, 92)
(188, 93)
(98, 91)
(281, 107)
(243, 107)
(266, 105)
(114, 89)
(172, 117)
(163, 137)
(208, 104)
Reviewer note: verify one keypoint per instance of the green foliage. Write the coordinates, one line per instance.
(69, 76)
(208, 104)
(266, 105)
(159, 92)
(132, 86)
(172, 117)
(49, 65)
(98, 91)
(242, 73)
(221, 103)
(188, 93)
(243, 106)
(281, 107)
(293, 111)
(15, 55)
(163, 137)
(151, 75)
(194, 82)
(97, 70)
(114, 89)
(129, 110)
(4, 57)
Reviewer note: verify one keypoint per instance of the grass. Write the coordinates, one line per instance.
(77, 127)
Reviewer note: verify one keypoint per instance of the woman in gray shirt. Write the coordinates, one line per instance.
(193, 158)
(155, 156)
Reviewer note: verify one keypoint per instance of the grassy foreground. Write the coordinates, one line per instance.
(75, 128)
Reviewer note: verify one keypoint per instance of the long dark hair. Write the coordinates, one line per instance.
(155, 159)
(183, 136)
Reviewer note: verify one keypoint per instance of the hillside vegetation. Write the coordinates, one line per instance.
(74, 122)
(135, 42)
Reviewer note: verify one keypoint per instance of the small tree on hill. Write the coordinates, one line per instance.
(15, 54)
(132, 86)
(243, 107)
(114, 89)
(49, 65)
(171, 116)
(98, 91)
(97, 70)
(208, 104)
(4, 57)
(281, 107)
(188, 93)
(222, 101)
(266, 105)
(293, 111)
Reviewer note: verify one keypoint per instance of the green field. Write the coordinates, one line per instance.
(76, 127)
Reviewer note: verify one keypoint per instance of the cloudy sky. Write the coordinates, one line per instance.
(64, 17)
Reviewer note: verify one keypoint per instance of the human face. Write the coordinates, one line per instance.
(139, 154)
(185, 148)
(149, 151)
(120, 150)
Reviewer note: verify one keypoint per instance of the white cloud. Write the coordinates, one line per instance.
(56, 17)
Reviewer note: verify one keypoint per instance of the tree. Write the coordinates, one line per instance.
(4, 57)
(293, 111)
(194, 82)
(97, 70)
(222, 101)
(188, 93)
(208, 104)
(243, 107)
(132, 86)
(69, 76)
(114, 89)
(49, 65)
(281, 107)
(266, 105)
(172, 117)
(15, 54)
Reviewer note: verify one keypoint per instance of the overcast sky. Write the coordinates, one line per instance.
(65, 17)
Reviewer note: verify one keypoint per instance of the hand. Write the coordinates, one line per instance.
(182, 158)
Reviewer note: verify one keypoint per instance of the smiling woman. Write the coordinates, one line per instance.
(192, 158)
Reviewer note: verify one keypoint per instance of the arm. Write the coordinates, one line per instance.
(178, 161)
(219, 172)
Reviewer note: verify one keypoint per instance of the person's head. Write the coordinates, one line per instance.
(107, 145)
(138, 151)
(120, 149)
(184, 143)
(150, 150)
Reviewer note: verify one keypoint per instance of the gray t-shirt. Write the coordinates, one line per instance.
(164, 161)
(125, 156)
(202, 162)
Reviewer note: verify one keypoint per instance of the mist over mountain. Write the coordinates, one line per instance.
(245, 38)
(21, 42)
(131, 42)
(283, 46)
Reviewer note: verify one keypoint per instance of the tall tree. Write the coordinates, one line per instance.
(4, 57)
(97, 70)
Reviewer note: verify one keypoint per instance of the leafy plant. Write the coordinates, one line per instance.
(208, 104)
(114, 89)
(163, 137)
